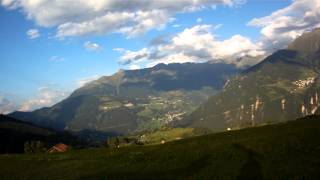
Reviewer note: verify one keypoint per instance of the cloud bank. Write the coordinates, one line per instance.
(131, 17)
(46, 97)
(195, 44)
(283, 26)
(6, 106)
(200, 44)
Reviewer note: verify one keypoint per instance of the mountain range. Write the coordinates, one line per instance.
(135, 100)
(214, 96)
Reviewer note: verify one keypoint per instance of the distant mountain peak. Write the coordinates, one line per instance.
(308, 42)
(160, 65)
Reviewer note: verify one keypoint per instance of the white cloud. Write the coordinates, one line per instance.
(134, 56)
(177, 57)
(284, 25)
(199, 20)
(176, 25)
(134, 67)
(33, 33)
(196, 44)
(56, 59)
(12, 4)
(6, 106)
(119, 50)
(90, 46)
(132, 17)
(108, 23)
(46, 97)
(146, 21)
(218, 26)
(83, 81)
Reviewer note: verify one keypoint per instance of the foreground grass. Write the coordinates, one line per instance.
(283, 151)
(167, 135)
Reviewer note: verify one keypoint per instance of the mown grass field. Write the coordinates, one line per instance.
(283, 151)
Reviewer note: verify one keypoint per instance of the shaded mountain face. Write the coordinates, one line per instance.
(14, 133)
(284, 86)
(135, 100)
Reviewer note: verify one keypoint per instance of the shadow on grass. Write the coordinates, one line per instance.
(251, 170)
(195, 169)
(188, 172)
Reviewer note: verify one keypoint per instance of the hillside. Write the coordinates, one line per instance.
(14, 133)
(135, 100)
(309, 42)
(283, 86)
(282, 151)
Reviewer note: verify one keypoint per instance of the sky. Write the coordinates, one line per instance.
(51, 47)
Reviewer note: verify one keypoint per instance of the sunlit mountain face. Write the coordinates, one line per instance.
(133, 89)
(282, 87)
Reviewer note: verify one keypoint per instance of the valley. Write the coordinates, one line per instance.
(159, 89)
(286, 150)
(135, 100)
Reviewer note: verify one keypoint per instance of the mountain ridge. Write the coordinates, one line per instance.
(15, 133)
(135, 100)
(283, 86)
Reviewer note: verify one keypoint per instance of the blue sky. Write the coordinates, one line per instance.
(55, 58)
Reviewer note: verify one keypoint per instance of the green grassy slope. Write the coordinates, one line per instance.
(283, 151)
